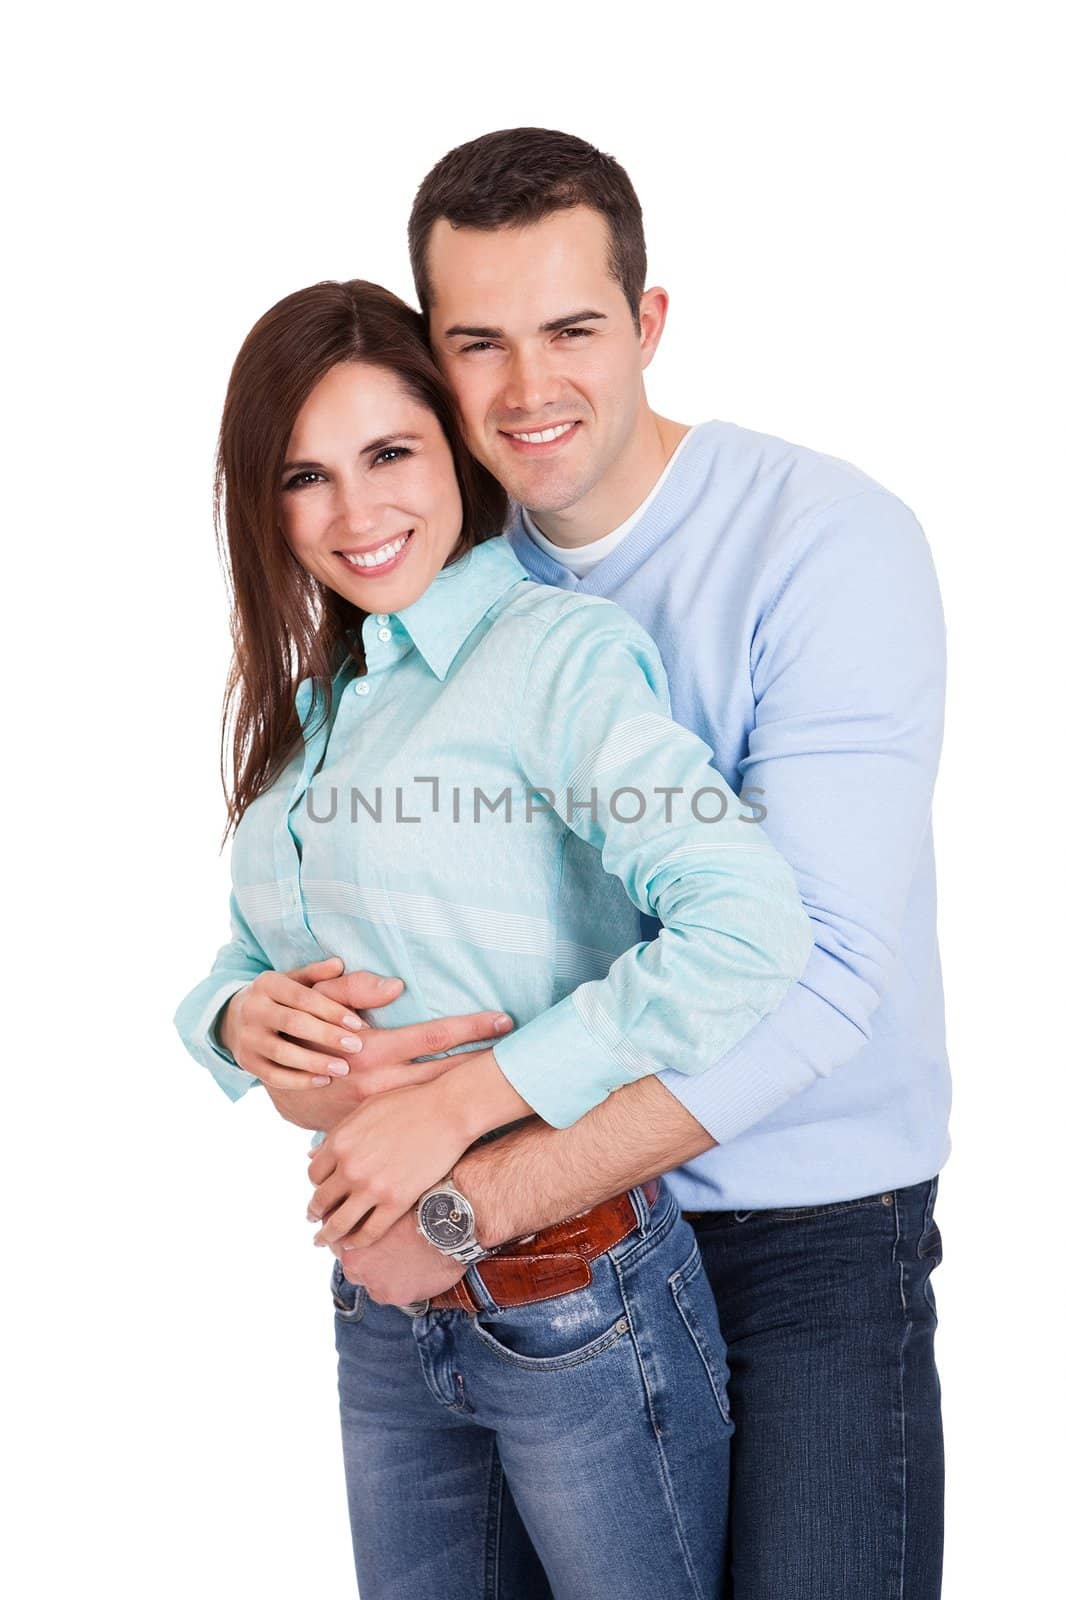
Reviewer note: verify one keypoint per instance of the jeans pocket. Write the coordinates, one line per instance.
(561, 1332)
(930, 1248)
(834, 1208)
(930, 1244)
(349, 1299)
(695, 1301)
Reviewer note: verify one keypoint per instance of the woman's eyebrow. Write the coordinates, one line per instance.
(368, 449)
(387, 439)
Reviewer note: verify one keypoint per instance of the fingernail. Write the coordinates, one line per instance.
(387, 983)
(350, 1042)
(312, 1218)
(320, 1083)
(352, 1022)
(338, 1069)
(501, 1023)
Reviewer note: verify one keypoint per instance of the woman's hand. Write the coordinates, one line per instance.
(375, 1164)
(289, 1034)
(389, 1057)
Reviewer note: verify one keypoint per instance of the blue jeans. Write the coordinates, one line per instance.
(577, 1448)
(838, 1456)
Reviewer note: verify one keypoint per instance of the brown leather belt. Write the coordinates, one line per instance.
(552, 1262)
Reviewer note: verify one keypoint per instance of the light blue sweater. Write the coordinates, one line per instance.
(794, 603)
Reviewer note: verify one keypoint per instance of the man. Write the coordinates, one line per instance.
(794, 602)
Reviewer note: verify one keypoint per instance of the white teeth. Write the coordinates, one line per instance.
(378, 557)
(546, 435)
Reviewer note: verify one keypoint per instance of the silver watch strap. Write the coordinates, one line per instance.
(469, 1253)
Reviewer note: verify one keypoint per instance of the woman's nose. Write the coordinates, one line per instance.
(358, 512)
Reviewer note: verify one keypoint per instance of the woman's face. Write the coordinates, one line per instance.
(369, 498)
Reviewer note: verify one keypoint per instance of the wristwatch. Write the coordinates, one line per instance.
(446, 1218)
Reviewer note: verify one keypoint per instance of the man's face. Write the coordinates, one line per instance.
(538, 343)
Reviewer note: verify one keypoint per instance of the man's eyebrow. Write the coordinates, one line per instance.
(575, 316)
(462, 330)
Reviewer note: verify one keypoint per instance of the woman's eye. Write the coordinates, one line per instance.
(392, 452)
(299, 479)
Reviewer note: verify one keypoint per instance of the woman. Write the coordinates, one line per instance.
(499, 794)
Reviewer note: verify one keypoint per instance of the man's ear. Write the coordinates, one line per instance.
(654, 304)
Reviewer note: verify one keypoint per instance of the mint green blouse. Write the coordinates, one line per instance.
(502, 812)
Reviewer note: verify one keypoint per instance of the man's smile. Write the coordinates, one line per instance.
(541, 441)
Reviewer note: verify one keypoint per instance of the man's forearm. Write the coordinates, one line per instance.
(537, 1175)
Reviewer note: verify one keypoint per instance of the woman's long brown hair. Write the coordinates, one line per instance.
(287, 625)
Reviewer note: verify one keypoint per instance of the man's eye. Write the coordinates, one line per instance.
(574, 333)
(299, 479)
(481, 344)
(391, 452)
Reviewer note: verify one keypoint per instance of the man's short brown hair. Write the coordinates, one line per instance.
(517, 176)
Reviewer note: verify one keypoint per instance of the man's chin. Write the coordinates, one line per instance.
(539, 494)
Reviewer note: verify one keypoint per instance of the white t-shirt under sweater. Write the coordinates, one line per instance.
(587, 556)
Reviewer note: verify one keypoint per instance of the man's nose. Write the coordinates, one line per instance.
(530, 384)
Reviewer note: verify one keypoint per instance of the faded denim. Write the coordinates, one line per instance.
(581, 1443)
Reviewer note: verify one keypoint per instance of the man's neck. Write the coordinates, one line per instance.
(621, 491)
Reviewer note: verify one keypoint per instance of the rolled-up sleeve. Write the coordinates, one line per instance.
(595, 738)
(237, 963)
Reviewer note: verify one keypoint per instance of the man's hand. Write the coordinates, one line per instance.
(534, 1176)
(401, 1266)
(386, 1058)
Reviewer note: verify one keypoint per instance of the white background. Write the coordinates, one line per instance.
(853, 208)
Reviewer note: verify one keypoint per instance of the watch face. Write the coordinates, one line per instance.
(447, 1219)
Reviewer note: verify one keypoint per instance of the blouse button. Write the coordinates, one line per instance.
(381, 618)
(362, 688)
(384, 634)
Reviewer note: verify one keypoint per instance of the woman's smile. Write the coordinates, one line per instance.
(378, 559)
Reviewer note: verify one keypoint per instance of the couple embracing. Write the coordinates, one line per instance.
(628, 730)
